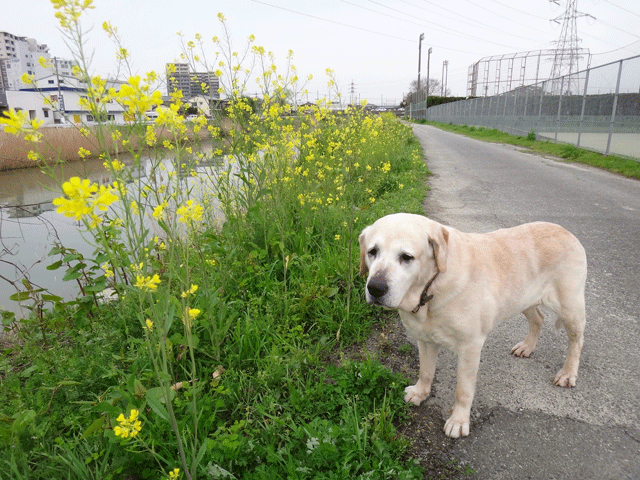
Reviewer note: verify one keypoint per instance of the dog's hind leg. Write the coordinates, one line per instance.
(574, 322)
(528, 345)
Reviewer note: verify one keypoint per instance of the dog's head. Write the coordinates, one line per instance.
(400, 253)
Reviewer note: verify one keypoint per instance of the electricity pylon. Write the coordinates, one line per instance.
(567, 53)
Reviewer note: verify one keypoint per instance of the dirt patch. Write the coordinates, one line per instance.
(390, 345)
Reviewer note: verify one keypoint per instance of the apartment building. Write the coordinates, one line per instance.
(180, 77)
(17, 56)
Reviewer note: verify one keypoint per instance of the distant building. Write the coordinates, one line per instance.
(56, 99)
(20, 55)
(191, 84)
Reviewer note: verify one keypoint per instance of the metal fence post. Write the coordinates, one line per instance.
(613, 110)
(544, 85)
(559, 109)
(584, 103)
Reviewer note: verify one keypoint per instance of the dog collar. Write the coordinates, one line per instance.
(425, 297)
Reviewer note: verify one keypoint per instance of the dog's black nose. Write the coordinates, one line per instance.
(377, 287)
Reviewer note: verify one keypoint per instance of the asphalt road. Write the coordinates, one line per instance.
(522, 425)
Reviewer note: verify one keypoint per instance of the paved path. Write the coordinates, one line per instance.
(524, 427)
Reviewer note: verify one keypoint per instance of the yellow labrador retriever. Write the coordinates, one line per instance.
(452, 288)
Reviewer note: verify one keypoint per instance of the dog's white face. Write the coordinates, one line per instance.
(399, 254)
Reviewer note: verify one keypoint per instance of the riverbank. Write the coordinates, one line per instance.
(61, 144)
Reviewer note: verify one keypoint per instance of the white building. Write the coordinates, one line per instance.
(55, 99)
(20, 55)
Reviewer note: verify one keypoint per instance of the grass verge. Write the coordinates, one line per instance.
(256, 384)
(567, 152)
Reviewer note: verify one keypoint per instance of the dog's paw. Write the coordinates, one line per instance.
(565, 379)
(522, 349)
(455, 428)
(416, 394)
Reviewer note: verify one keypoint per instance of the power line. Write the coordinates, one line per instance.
(448, 30)
(502, 16)
(476, 24)
(333, 21)
(616, 50)
(518, 10)
(621, 8)
(613, 26)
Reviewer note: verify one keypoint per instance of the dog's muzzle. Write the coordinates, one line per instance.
(377, 288)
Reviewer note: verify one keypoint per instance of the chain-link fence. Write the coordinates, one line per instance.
(597, 109)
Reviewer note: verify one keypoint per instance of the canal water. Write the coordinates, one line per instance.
(30, 225)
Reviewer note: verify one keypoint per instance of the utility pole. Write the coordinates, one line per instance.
(419, 57)
(428, 62)
(353, 91)
(60, 98)
(445, 66)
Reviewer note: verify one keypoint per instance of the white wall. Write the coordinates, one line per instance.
(34, 103)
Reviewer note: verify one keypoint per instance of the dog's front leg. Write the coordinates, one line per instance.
(420, 391)
(468, 362)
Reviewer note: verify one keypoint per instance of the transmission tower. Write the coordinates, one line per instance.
(568, 52)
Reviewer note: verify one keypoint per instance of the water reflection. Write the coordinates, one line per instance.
(30, 226)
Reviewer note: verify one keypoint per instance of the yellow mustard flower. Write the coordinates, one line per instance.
(107, 270)
(135, 98)
(148, 283)
(17, 122)
(115, 165)
(150, 136)
(158, 212)
(191, 212)
(129, 426)
(27, 79)
(174, 474)
(68, 11)
(78, 203)
(44, 63)
(193, 289)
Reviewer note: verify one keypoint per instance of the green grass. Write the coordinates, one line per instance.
(261, 388)
(567, 152)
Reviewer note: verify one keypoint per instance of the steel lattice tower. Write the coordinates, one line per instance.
(567, 52)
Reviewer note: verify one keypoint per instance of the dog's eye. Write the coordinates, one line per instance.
(373, 252)
(405, 257)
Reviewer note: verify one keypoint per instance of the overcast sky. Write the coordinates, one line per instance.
(372, 44)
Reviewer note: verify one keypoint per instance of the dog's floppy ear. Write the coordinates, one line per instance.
(364, 269)
(440, 243)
